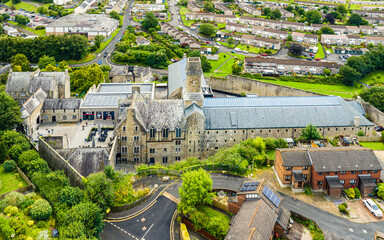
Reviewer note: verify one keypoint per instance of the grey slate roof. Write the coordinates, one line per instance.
(344, 159)
(279, 112)
(334, 182)
(32, 103)
(18, 81)
(159, 113)
(283, 217)
(88, 160)
(295, 158)
(193, 108)
(66, 103)
(124, 87)
(103, 99)
(367, 180)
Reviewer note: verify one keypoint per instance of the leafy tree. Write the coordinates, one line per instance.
(19, 60)
(12, 199)
(41, 210)
(99, 190)
(98, 40)
(289, 8)
(313, 16)
(50, 68)
(63, 65)
(9, 166)
(281, 143)
(207, 29)
(27, 157)
(349, 75)
(45, 60)
(16, 1)
(236, 69)
(110, 172)
(356, 19)
(326, 30)
(296, 49)
(276, 14)
(196, 189)
(208, 6)
(1, 28)
(5, 16)
(37, 165)
(42, 10)
(205, 64)
(380, 192)
(3, 152)
(114, 15)
(327, 72)
(70, 196)
(85, 77)
(301, 11)
(150, 21)
(267, 11)
(342, 9)
(9, 112)
(15, 151)
(330, 18)
(310, 133)
(74, 230)
(337, 15)
(23, 20)
(231, 40)
(375, 96)
(289, 38)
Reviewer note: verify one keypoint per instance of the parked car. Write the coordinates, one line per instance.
(379, 128)
(264, 54)
(312, 54)
(317, 59)
(244, 51)
(237, 49)
(309, 59)
(233, 51)
(372, 207)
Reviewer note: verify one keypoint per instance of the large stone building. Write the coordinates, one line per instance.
(61, 110)
(189, 125)
(22, 85)
(30, 111)
(123, 74)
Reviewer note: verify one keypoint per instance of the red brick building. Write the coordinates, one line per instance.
(329, 169)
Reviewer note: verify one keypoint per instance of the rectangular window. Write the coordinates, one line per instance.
(136, 159)
(136, 128)
(360, 171)
(287, 178)
(151, 150)
(136, 138)
(352, 181)
(124, 149)
(305, 177)
(165, 150)
(288, 168)
(305, 167)
(136, 150)
(353, 172)
(369, 171)
(64, 117)
(178, 142)
(319, 183)
(321, 173)
(177, 150)
(342, 173)
(177, 158)
(375, 171)
(124, 139)
(74, 117)
(124, 128)
(342, 181)
(165, 159)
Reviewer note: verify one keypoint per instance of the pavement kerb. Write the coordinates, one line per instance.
(119, 219)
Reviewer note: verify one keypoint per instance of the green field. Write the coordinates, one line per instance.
(222, 58)
(37, 32)
(10, 182)
(22, 5)
(249, 48)
(221, 25)
(373, 145)
(320, 52)
(374, 78)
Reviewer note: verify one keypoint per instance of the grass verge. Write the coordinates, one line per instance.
(373, 145)
(37, 32)
(105, 43)
(88, 58)
(373, 78)
(320, 52)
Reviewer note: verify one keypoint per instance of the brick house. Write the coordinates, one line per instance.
(329, 169)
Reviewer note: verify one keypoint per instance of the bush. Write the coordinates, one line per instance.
(343, 209)
(9, 166)
(40, 28)
(345, 204)
(360, 133)
(350, 193)
(41, 210)
(357, 193)
(308, 190)
(40, 224)
(11, 210)
(14, 199)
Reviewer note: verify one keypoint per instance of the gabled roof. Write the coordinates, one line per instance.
(32, 103)
(66, 103)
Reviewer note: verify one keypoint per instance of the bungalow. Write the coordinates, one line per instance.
(367, 30)
(328, 169)
(142, 41)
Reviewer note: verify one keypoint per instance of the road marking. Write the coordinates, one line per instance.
(171, 230)
(143, 220)
(171, 197)
(123, 231)
(149, 229)
(351, 229)
(365, 231)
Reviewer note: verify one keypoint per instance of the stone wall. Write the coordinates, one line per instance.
(57, 162)
(375, 114)
(56, 142)
(236, 84)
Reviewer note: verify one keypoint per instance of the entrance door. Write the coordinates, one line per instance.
(152, 160)
(53, 118)
(300, 184)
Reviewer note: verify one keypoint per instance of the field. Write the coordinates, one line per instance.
(22, 5)
(222, 58)
(320, 52)
(373, 145)
(374, 78)
(10, 182)
(251, 49)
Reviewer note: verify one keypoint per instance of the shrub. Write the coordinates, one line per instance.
(345, 204)
(357, 193)
(40, 224)
(343, 209)
(360, 133)
(5, 228)
(350, 193)
(30, 223)
(11, 210)
(41, 210)
(28, 202)
(40, 28)
(308, 190)
(270, 143)
(9, 166)
(14, 199)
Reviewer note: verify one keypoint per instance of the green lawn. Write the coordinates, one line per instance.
(373, 78)
(37, 32)
(104, 44)
(222, 58)
(250, 49)
(239, 56)
(183, 11)
(373, 145)
(227, 45)
(22, 5)
(212, 213)
(88, 58)
(336, 90)
(221, 25)
(271, 154)
(320, 52)
(9, 182)
(330, 49)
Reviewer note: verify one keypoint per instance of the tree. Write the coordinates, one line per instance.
(209, 7)
(9, 112)
(326, 30)
(45, 60)
(70, 196)
(380, 193)
(301, 11)
(114, 15)
(41, 210)
(19, 60)
(375, 96)
(6, 16)
(276, 14)
(9, 166)
(207, 30)
(310, 133)
(42, 10)
(150, 21)
(296, 49)
(342, 9)
(85, 77)
(15, 1)
(289, 8)
(330, 18)
(289, 38)
(350, 75)
(231, 40)
(98, 40)
(1, 29)
(337, 15)
(27, 157)
(356, 19)
(74, 230)
(3, 152)
(23, 20)
(236, 69)
(196, 189)
(205, 64)
(327, 72)
(313, 16)
(99, 190)
(267, 11)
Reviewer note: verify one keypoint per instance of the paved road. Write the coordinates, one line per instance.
(153, 224)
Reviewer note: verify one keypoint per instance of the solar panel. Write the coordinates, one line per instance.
(242, 189)
(254, 183)
(253, 188)
(247, 184)
(271, 196)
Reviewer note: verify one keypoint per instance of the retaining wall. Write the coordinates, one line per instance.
(375, 114)
(57, 162)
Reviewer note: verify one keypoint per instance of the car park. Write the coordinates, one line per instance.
(372, 207)
(309, 59)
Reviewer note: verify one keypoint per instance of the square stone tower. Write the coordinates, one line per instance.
(192, 93)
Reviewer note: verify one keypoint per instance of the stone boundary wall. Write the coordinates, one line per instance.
(376, 115)
(133, 204)
(237, 85)
(112, 153)
(57, 162)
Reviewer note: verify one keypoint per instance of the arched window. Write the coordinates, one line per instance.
(152, 132)
(178, 132)
(165, 132)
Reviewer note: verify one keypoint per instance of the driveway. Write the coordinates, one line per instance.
(362, 213)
